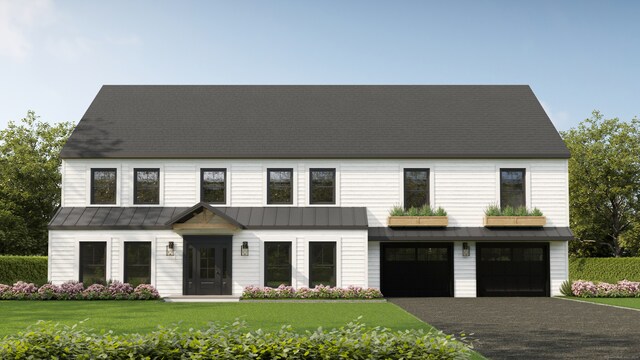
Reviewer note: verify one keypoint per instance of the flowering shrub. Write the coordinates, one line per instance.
(588, 289)
(73, 290)
(319, 292)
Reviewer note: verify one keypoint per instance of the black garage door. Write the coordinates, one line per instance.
(417, 269)
(513, 269)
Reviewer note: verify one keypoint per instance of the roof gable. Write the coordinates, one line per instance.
(290, 121)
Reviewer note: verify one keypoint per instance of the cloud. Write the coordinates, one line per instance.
(18, 21)
(559, 118)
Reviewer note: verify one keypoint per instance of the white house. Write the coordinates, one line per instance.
(208, 189)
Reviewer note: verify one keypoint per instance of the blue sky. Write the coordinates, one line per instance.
(576, 55)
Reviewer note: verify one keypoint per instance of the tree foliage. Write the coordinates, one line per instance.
(604, 186)
(29, 183)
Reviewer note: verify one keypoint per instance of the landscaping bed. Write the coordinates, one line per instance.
(72, 290)
(320, 292)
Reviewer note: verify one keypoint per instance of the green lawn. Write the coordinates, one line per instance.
(145, 316)
(632, 303)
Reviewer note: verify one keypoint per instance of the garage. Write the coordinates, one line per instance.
(416, 269)
(520, 269)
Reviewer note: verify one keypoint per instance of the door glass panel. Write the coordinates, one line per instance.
(207, 263)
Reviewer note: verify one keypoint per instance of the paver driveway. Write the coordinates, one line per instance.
(534, 328)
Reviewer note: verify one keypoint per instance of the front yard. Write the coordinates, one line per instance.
(144, 316)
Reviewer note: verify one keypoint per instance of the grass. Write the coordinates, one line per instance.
(145, 316)
(632, 303)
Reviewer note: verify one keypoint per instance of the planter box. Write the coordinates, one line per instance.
(514, 221)
(418, 221)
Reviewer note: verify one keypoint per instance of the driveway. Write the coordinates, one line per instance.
(534, 328)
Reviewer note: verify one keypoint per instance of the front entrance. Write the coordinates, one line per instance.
(207, 265)
(417, 269)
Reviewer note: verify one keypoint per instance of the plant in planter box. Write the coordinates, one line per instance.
(510, 216)
(417, 216)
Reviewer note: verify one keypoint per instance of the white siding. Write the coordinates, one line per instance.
(464, 271)
(559, 265)
(463, 187)
(62, 258)
(117, 259)
(374, 264)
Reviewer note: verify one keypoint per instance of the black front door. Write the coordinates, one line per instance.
(417, 269)
(207, 265)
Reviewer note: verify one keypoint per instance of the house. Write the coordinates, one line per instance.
(208, 189)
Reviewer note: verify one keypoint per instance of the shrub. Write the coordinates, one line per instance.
(319, 292)
(352, 341)
(425, 210)
(30, 269)
(75, 291)
(609, 270)
(565, 288)
(495, 210)
(589, 289)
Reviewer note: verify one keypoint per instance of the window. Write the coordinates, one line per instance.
(416, 187)
(512, 191)
(103, 186)
(213, 186)
(137, 263)
(279, 186)
(277, 263)
(322, 263)
(93, 262)
(146, 186)
(322, 186)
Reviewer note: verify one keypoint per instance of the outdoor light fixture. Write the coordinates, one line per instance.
(244, 249)
(171, 249)
(466, 251)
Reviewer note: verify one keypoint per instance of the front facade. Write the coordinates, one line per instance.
(304, 199)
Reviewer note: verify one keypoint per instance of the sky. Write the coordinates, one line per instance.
(577, 56)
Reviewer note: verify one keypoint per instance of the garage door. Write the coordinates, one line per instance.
(513, 269)
(417, 269)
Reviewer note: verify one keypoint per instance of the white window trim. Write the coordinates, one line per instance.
(265, 169)
(119, 174)
(76, 265)
(294, 258)
(527, 180)
(153, 257)
(227, 190)
(432, 181)
(132, 185)
(307, 181)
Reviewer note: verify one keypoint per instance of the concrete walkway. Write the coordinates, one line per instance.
(534, 328)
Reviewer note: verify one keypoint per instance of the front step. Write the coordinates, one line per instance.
(201, 298)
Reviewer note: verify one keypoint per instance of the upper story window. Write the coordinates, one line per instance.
(146, 186)
(322, 186)
(416, 187)
(103, 186)
(512, 188)
(279, 186)
(213, 184)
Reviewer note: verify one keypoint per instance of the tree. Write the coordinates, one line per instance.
(29, 183)
(604, 185)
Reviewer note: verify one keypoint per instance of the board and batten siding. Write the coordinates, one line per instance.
(464, 188)
(166, 271)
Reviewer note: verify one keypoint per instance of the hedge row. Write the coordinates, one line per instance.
(610, 270)
(30, 269)
(353, 341)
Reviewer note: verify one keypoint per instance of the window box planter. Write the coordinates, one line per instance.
(418, 221)
(514, 221)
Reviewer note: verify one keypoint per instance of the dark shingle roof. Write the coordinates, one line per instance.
(160, 218)
(471, 234)
(334, 121)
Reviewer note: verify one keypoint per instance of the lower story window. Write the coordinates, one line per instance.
(93, 262)
(322, 263)
(277, 263)
(137, 263)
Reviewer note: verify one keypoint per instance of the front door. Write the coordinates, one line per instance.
(207, 265)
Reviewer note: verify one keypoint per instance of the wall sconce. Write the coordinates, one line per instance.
(466, 251)
(171, 249)
(244, 249)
